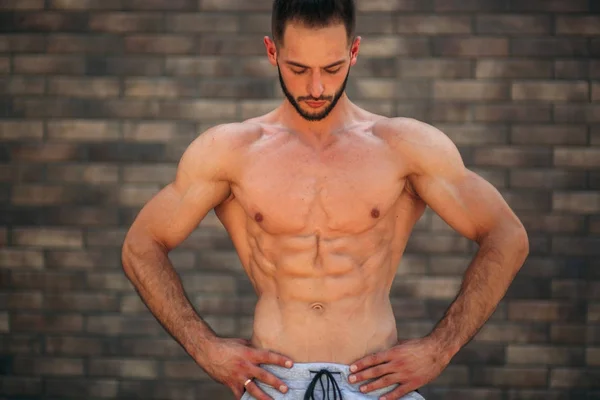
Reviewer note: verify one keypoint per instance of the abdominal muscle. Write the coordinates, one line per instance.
(333, 308)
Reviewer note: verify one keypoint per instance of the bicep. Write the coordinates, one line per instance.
(464, 200)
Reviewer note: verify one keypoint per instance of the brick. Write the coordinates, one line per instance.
(159, 44)
(126, 368)
(82, 259)
(261, 23)
(175, 5)
(40, 107)
(469, 5)
(506, 332)
(594, 225)
(390, 46)
(22, 5)
(577, 25)
(158, 131)
(549, 47)
(436, 244)
(434, 68)
(470, 46)
(551, 91)
(21, 258)
(38, 195)
(512, 156)
(89, 44)
(369, 88)
(465, 394)
(84, 87)
(48, 366)
(48, 64)
(85, 4)
(576, 246)
(428, 288)
(568, 334)
(513, 24)
(474, 134)
(88, 388)
(527, 287)
(549, 134)
(147, 347)
(391, 5)
(574, 377)
(136, 195)
(163, 87)
(577, 157)
(200, 110)
(110, 152)
(470, 90)
(384, 108)
(577, 202)
(20, 344)
(188, 370)
(453, 376)
(72, 301)
(22, 43)
(38, 323)
(369, 23)
(47, 237)
(123, 325)
(572, 69)
(592, 356)
(544, 311)
(235, 5)
(83, 130)
(20, 130)
(88, 173)
(512, 68)
(114, 281)
(105, 237)
(45, 281)
(510, 377)
(124, 22)
(44, 22)
(208, 66)
(433, 24)
(18, 385)
(512, 112)
(593, 334)
(4, 322)
(594, 69)
(449, 112)
(204, 22)
(549, 5)
(124, 66)
(595, 91)
(22, 85)
(163, 174)
(593, 312)
(480, 353)
(4, 65)
(547, 179)
(544, 355)
(73, 346)
(584, 113)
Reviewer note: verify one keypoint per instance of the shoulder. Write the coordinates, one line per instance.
(217, 148)
(421, 145)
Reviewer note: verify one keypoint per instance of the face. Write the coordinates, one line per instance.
(313, 65)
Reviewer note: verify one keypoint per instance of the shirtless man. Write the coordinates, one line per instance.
(319, 198)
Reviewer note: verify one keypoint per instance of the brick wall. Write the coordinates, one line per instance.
(98, 99)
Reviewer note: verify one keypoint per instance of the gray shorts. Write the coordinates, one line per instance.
(301, 378)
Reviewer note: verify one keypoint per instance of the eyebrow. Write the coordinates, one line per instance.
(335, 64)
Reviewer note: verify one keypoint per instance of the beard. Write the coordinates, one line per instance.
(316, 116)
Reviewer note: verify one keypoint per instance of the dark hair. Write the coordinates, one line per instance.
(313, 14)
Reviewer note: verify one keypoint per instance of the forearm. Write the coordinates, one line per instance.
(149, 269)
(485, 282)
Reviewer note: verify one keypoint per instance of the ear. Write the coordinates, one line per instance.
(271, 50)
(354, 50)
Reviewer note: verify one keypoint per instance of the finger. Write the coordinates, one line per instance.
(270, 379)
(256, 392)
(382, 382)
(370, 373)
(369, 361)
(397, 393)
(270, 357)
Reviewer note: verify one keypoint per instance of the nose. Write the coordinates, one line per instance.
(316, 85)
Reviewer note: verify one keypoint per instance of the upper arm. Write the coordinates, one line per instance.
(202, 181)
(463, 199)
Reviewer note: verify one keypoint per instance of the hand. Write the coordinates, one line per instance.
(411, 364)
(233, 361)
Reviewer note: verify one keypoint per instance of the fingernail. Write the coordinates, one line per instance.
(363, 389)
(288, 364)
(352, 378)
(353, 368)
(383, 398)
(282, 388)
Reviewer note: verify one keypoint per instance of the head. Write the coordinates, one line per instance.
(313, 48)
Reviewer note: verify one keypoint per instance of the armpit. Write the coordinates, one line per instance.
(410, 189)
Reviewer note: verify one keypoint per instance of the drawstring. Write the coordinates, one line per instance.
(310, 391)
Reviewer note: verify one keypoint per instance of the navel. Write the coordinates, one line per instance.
(375, 213)
(258, 217)
(318, 307)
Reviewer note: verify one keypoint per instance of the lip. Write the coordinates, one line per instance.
(315, 104)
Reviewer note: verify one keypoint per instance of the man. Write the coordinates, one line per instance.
(319, 198)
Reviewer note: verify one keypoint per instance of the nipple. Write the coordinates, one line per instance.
(258, 217)
(375, 213)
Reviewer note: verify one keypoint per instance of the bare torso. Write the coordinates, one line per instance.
(320, 231)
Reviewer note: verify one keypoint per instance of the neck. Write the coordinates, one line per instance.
(342, 115)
